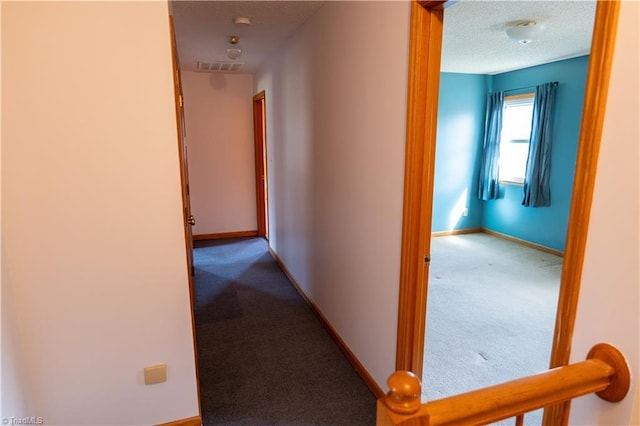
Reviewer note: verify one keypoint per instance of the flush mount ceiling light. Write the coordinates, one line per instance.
(234, 51)
(524, 32)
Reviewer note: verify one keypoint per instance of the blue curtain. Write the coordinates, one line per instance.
(488, 188)
(537, 192)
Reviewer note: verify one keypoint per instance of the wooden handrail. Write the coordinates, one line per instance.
(604, 372)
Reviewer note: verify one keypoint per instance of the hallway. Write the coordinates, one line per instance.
(263, 357)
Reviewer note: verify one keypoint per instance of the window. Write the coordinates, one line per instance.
(514, 140)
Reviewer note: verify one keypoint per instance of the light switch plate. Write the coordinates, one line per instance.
(155, 374)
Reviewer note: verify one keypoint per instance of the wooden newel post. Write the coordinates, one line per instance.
(404, 392)
(401, 402)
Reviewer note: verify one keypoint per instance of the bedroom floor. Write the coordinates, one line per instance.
(491, 310)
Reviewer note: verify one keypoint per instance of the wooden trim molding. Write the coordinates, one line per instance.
(344, 348)
(456, 232)
(260, 147)
(529, 95)
(221, 235)
(191, 421)
(523, 242)
(184, 191)
(435, 4)
(593, 112)
(422, 108)
(498, 235)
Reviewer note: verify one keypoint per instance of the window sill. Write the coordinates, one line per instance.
(512, 182)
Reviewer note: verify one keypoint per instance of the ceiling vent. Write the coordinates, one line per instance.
(219, 66)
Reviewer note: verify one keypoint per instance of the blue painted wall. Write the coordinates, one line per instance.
(458, 144)
(546, 226)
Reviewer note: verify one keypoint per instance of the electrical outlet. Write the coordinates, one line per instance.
(155, 374)
(465, 212)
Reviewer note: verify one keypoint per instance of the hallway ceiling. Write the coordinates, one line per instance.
(474, 31)
(202, 28)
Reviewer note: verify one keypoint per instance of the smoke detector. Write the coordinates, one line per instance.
(241, 20)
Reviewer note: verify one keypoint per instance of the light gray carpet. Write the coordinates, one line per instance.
(490, 314)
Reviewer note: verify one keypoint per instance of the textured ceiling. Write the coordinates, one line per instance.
(475, 39)
(202, 28)
(474, 31)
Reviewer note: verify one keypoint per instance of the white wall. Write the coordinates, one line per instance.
(94, 276)
(336, 108)
(1, 239)
(609, 295)
(335, 127)
(219, 123)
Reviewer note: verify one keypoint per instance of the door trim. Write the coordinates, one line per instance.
(422, 105)
(425, 46)
(188, 237)
(260, 149)
(593, 113)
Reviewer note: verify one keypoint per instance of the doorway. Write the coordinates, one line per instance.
(491, 302)
(260, 146)
(424, 80)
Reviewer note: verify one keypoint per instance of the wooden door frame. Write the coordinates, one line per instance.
(422, 106)
(184, 175)
(260, 148)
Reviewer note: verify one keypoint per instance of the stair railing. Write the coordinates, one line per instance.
(605, 372)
